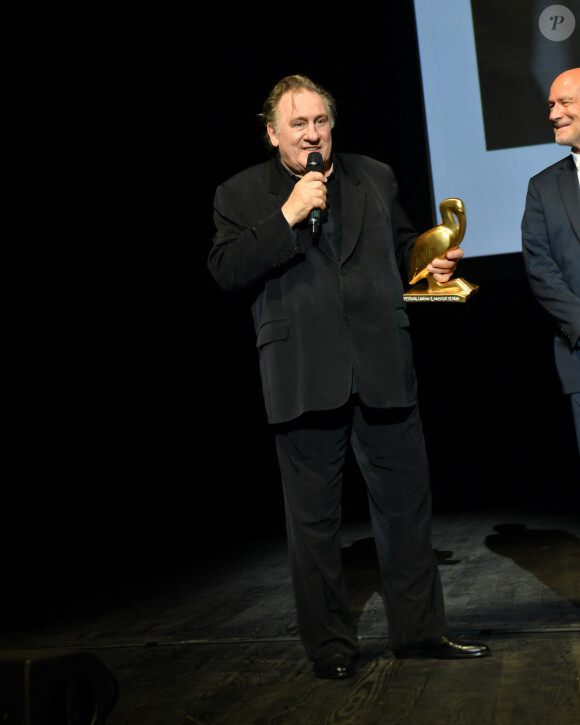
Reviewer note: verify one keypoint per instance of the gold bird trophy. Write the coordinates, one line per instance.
(435, 243)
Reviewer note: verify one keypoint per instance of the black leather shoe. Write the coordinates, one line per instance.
(336, 666)
(443, 649)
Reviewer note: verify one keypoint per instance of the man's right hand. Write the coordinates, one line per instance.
(308, 193)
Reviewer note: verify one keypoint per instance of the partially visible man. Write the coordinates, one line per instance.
(551, 236)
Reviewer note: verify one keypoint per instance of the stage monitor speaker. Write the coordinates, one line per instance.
(54, 687)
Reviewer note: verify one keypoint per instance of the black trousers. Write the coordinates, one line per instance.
(390, 450)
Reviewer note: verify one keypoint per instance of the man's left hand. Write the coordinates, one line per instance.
(443, 269)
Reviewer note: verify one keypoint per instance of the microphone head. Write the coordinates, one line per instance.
(315, 162)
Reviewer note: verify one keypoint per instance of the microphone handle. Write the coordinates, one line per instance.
(314, 163)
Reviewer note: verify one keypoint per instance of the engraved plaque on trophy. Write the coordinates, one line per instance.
(435, 243)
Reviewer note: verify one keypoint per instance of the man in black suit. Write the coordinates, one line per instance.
(551, 236)
(336, 364)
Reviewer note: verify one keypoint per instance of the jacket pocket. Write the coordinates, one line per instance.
(272, 331)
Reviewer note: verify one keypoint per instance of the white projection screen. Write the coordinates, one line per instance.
(486, 68)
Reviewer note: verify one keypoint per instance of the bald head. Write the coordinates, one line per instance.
(564, 103)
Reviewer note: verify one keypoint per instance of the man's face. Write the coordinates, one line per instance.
(303, 126)
(564, 105)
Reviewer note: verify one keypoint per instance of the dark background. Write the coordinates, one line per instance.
(138, 426)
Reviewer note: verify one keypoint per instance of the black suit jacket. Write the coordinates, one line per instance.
(317, 318)
(551, 250)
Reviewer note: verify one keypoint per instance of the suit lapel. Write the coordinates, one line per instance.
(279, 184)
(570, 191)
(353, 208)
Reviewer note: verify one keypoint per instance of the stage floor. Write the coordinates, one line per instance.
(214, 641)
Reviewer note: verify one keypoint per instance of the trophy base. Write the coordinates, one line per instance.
(456, 290)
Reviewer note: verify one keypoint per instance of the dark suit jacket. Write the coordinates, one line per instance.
(318, 319)
(551, 250)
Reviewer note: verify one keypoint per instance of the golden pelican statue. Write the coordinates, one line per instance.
(435, 243)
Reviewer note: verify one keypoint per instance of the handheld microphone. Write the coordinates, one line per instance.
(314, 163)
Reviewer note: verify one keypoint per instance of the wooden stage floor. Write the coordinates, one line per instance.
(216, 642)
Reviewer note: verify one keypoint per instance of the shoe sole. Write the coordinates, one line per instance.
(418, 654)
